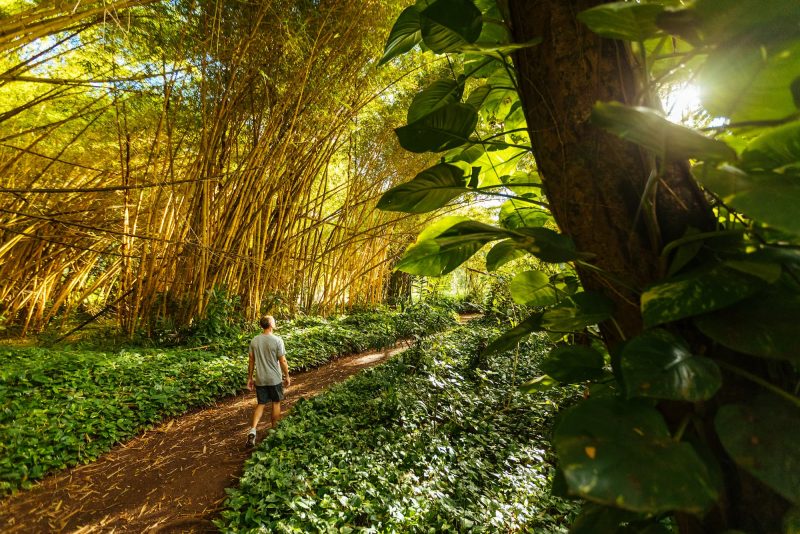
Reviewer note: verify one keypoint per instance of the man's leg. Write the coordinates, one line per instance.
(276, 413)
(259, 411)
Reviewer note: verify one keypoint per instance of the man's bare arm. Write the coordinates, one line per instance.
(285, 371)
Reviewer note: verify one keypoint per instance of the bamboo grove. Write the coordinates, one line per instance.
(151, 152)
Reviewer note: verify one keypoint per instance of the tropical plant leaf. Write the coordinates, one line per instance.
(658, 364)
(581, 310)
(532, 288)
(763, 437)
(445, 128)
(510, 338)
(440, 254)
(502, 253)
(595, 518)
(772, 198)
(750, 83)
(570, 364)
(540, 383)
(436, 95)
(548, 245)
(405, 34)
(623, 20)
(519, 214)
(620, 453)
(695, 293)
(448, 24)
(764, 325)
(429, 190)
(775, 149)
(650, 130)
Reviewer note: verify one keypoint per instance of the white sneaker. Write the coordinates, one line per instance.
(251, 438)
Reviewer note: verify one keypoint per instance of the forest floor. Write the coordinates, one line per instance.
(171, 478)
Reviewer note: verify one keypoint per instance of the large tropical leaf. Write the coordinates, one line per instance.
(532, 288)
(519, 214)
(547, 245)
(440, 254)
(405, 34)
(763, 437)
(658, 364)
(777, 148)
(436, 95)
(429, 190)
(695, 293)
(509, 339)
(579, 311)
(502, 253)
(448, 24)
(620, 453)
(573, 363)
(623, 20)
(769, 197)
(764, 325)
(446, 127)
(749, 83)
(647, 128)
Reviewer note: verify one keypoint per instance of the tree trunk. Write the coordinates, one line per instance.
(594, 182)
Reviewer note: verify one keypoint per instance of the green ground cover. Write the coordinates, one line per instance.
(437, 439)
(63, 406)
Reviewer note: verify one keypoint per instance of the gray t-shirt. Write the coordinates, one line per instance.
(267, 348)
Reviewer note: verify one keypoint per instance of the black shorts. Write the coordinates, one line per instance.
(266, 394)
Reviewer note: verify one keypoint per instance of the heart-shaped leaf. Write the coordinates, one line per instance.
(695, 293)
(658, 364)
(436, 95)
(773, 198)
(581, 310)
(502, 253)
(620, 453)
(448, 24)
(510, 338)
(650, 130)
(532, 288)
(405, 34)
(429, 190)
(574, 363)
(623, 20)
(775, 149)
(764, 438)
(548, 245)
(446, 127)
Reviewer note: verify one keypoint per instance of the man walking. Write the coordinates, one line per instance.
(268, 358)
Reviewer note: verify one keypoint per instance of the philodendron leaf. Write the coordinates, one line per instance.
(573, 363)
(579, 311)
(532, 288)
(658, 364)
(429, 190)
(502, 253)
(436, 255)
(510, 338)
(763, 437)
(446, 127)
(519, 214)
(764, 325)
(650, 130)
(540, 383)
(436, 95)
(448, 24)
(769, 197)
(620, 453)
(623, 20)
(775, 149)
(404, 36)
(750, 83)
(547, 245)
(695, 293)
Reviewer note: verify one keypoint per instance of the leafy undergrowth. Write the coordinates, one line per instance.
(60, 407)
(437, 439)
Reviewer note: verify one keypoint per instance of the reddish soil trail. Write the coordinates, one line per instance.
(169, 479)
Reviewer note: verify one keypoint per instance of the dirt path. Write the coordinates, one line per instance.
(169, 479)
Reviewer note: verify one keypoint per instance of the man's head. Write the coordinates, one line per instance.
(267, 321)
